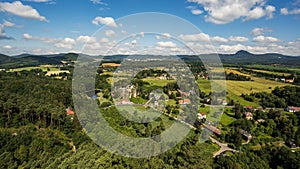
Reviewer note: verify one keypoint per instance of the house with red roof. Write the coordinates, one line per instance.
(293, 109)
(70, 112)
(201, 116)
(249, 116)
(184, 101)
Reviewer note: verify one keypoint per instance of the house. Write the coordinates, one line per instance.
(290, 80)
(293, 109)
(184, 101)
(290, 144)
(249, 108)
(213, 129)
(126, 102)
(247, 135)
(163, 77)
(201, 116)
(249, 116)
(70, 112)
(260, 121)
(224, 103)
(206, 100)
(132, 91)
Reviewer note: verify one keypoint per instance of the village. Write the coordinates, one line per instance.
(173, 101)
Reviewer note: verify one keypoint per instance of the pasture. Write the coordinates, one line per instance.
(157, 82)
(44, 68)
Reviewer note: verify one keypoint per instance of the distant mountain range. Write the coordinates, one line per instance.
(241, 57)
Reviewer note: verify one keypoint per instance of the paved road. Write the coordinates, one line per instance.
(224, 147)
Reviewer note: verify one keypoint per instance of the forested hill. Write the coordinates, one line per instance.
(241, 57)
(34, 60)
(244, 57)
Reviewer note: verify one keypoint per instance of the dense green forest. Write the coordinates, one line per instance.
(279, 98)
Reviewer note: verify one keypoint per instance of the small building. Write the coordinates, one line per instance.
(249, 108)
(249, 116)
(247, 135)
(290, 144)
(259, 121)
(126, 102)
(213, 129)
(201, 116)
(290, 80)
(184, 101)
(206, 100)
(224, 103)
(163, 77)
(293, 109)
(70, 112)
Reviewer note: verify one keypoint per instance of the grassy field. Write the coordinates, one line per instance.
(234, 88)
(204, 85)
(56, 72)
(235, 71)
(271, 72)
(157, 82)
(274, 68)
(257, 85)
(43, 67)
(204, 109)
(226, 120)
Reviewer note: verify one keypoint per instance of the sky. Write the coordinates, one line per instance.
(98, 26)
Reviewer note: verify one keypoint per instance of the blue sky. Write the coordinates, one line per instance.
(55, 26)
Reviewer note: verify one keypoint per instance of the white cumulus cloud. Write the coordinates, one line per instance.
(7, 47)
(98, 2)
(86, 39)
(42, 39)
(238, 39)
(110, 33)
(265, 39)
(8, 24)
(232, 48)
(3, 35)
(109, 21)
(285, 11)
(66, 43)
(201, 37)
(260, 31)
(218, 39)
(195, 37)
(38, 0)
(164, 35)
(196, 11)
(167, 44)
(18, 9)
(225, 11)
(256, 13)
